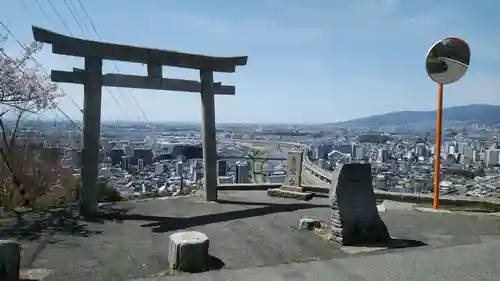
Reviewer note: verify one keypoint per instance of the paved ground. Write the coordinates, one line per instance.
(460, 263)
(248, 230)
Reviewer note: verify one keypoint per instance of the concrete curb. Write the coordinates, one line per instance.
(462, 213)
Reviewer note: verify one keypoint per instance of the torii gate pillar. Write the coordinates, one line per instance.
(209, 135)
(91, 134)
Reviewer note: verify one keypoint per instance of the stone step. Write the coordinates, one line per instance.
(279, 192)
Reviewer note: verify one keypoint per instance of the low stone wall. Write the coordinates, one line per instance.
(247, 187)
(355, 218)
(444, 200)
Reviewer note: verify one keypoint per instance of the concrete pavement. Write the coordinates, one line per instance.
(257, 238)
(479, 262)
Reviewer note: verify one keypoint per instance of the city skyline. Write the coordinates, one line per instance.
(291, 60)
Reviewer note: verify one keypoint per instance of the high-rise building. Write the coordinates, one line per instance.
(129, 151)
(321, 163)
(492, 157)
(476, 157)
(343, 148)
(461, 146)
(126, 162)
(358, 151)
(468, 152)
(144, 153)
(421, 149)
(140, 164)
(116, 155)
(195, 165)
(452, 149)
(320, 151)
(179, 168)
(383, 155)
(222, 168)
(242, 172)
(158, 168)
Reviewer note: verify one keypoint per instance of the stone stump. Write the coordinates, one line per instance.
(355, 218)
(309, 224)
(10, 260)
(188, 251)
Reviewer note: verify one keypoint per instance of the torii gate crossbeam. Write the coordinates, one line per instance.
(93, 80)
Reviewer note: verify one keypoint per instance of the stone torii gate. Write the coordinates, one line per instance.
(93, 80)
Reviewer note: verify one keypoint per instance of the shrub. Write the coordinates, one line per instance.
(107, 193)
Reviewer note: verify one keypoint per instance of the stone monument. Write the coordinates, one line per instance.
(355, 218)
(294, 171)
(291, 188)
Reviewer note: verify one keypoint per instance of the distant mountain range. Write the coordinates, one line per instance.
(475, 113)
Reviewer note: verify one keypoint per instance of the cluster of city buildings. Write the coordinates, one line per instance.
(168, 161)
(470, 166)
(168, 165)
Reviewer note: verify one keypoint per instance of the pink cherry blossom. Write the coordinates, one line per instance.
(22, 85)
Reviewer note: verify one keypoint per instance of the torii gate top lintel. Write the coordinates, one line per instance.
(66, 45)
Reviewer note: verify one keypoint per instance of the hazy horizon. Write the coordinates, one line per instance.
(52, 118)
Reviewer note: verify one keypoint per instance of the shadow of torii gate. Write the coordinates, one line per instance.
(93, 80)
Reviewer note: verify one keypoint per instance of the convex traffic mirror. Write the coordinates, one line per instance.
(448, 60)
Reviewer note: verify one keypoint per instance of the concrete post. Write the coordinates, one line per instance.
(91, 134)
(10, 260)
(294, 169)
(209, 137)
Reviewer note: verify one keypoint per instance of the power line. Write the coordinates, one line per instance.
(77, 14)
(74, 17)
(26, 7)
(85, 34)
(45, 14)
(61, 111)
(114, 64)
(60, 17)
(69, 31)
(38, 64)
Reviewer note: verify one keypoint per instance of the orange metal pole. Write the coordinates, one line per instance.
(437, 160)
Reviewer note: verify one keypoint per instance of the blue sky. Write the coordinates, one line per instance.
(309, 61)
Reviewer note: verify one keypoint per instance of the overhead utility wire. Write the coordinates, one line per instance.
(41, 66)
(77, 14)
(45, 14)
(75, 18)
(60, 17)
(114, 63)
(69, 31)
